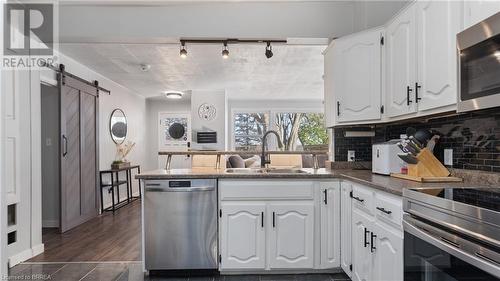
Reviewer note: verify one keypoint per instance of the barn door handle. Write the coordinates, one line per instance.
(65, 145)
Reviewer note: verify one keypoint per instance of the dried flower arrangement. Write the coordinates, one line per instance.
(122, 150)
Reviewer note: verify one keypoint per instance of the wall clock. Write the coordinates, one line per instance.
(207, 112)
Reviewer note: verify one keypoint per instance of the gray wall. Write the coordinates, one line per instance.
(219, 124)
(50, 156)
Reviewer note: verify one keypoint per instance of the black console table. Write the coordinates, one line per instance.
(116, 182)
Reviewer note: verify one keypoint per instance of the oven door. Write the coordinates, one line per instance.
(432, 254)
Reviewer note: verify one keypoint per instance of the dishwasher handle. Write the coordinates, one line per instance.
(160, 188)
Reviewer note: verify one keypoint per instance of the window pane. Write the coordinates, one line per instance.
(249, 129)
(302, 131)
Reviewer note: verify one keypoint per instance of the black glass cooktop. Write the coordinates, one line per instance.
(488, 198)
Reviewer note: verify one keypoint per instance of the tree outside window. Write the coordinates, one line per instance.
(249, 129)
(302, 131)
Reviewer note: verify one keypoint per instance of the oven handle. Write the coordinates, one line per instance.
(434, 236)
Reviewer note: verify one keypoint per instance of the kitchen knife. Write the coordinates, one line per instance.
(413, 147)
(410, 159)
(400, 145)
(411, 150)
(416, 142)
(432, 142)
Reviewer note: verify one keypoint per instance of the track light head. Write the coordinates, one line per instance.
(269, 50)
(225, 51)
(183, 52)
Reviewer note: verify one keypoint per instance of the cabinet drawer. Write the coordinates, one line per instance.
(389, 208)
(362, 198)
(267, 190)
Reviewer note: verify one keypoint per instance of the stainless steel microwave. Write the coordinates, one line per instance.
(479, 65)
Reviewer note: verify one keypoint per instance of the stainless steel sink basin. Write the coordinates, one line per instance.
(286, 171)
(245, 171)
(264, 170)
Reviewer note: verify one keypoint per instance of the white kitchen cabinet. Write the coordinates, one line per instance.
(401, 64)
(377, 235)
(346, 227)
(478, 10)
(438, 22)
(357, 76)
(361, 256)
(388, 254)
(330, 225)
(292, 235)
(242, 235)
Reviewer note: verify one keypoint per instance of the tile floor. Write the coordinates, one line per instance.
(131, 271)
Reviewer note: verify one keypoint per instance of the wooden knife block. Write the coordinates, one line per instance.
(428, 169)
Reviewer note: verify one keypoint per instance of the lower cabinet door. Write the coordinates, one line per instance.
(242, 236)
(291, 237)
(346, 228)
(330, 225)
(361, 254)
(388, 265)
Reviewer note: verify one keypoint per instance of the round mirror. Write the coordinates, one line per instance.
(118, 126)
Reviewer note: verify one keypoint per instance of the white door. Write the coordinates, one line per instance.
(345, 227)
(330, 225)
(388, 254)
(438, 24)
(291, 235)
(242, 236)
(478, 10)
(360, 77)
(401, 64)
(361, 255)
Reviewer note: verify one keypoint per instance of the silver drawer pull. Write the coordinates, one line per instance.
(481, 256)
(454, 244)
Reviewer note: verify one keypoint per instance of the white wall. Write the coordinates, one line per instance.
(219, 124)
(3, 207)
(153, 107)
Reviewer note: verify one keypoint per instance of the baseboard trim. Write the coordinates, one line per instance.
(50, 223)
(26, 255)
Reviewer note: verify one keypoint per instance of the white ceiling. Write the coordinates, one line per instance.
(294, 72)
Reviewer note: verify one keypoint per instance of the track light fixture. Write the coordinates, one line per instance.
(269, 50)
(225, 41)
(183, 52)
(225, 51)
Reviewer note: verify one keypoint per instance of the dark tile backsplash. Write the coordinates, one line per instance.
(474, 138)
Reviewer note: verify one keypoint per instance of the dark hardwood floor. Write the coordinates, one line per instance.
(107, 237)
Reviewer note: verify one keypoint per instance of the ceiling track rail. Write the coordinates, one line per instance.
(62, 69)
(231, 41)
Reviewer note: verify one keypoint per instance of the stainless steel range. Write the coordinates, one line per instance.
(451, 234)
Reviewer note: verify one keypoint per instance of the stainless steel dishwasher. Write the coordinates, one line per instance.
(180, 224)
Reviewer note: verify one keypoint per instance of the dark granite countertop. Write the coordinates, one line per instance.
(364, 177)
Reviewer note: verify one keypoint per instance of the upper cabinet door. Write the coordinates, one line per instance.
(401, 64)
(242, 222)
(358, 61)
(438, 24)
(478, 10)
(291, 238)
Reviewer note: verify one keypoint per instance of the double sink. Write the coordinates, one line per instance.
(265, 171)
